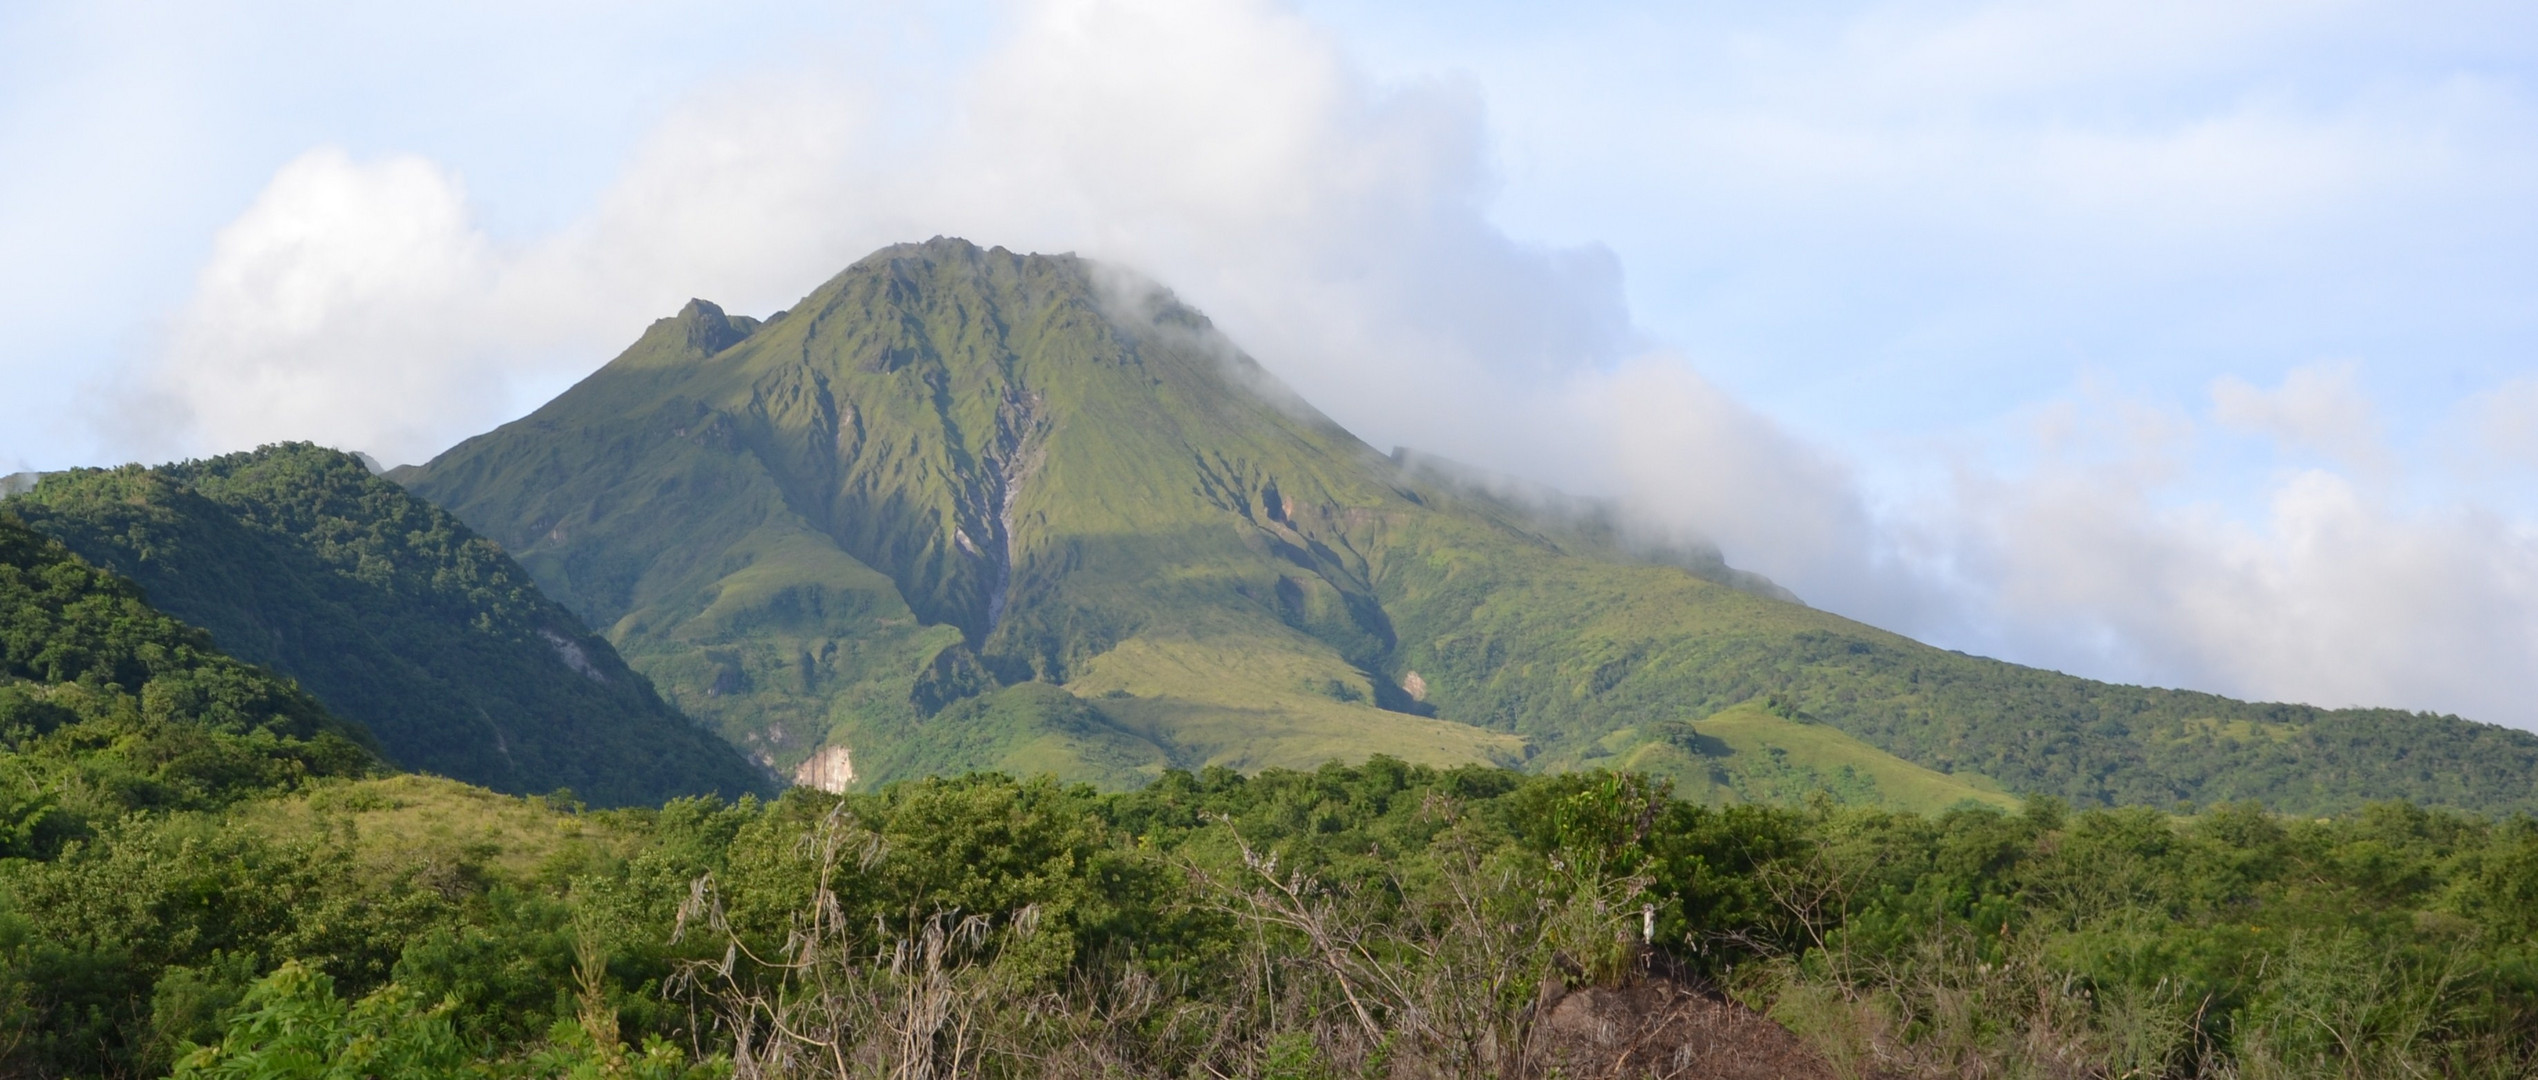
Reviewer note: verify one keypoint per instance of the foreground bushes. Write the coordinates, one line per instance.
(1379, 920)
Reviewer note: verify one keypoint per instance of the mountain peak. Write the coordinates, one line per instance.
(1000, 454)
(708, 330)
(953, 248)
(968, 508)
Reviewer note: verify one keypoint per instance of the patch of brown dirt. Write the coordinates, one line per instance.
(1663, 1029)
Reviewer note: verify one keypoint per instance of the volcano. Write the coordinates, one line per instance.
(965, 508)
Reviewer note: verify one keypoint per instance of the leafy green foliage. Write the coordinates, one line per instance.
(152, 924)
(393, 614)
(292, 1027)
(951, 469)
(1074, 931)
(108, 705)
(2358, 946)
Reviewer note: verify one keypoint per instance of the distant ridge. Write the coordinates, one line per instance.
(393, 614)
(964, 508)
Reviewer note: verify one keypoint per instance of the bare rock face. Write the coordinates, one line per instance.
(573, 655)
(1662, 1028)
(829, 769)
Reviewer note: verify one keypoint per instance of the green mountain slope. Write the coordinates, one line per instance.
(108, 705)
(394, 615)
(950, 470)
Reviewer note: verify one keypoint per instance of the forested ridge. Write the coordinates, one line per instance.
(394, 614)
(109, 706)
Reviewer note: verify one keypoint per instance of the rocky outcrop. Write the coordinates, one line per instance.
(829, 769)
(1661, 1027)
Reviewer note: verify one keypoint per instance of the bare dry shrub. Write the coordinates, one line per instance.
(929, 1001)
(1445, 976)
(1444, 968)
(2334, 1006)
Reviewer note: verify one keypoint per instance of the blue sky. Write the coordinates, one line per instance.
(1809, 196)
(2168, 342)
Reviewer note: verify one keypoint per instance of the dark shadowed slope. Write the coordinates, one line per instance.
(395, 615)
(965, 508)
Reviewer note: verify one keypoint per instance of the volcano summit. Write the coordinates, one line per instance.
(963, 508)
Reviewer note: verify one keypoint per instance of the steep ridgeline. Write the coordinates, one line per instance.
(965, 508)
(394, 615)
(108, 705)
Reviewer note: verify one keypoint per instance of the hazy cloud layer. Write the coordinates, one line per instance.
(2503, 423)
(1340, 228)
(2335, 589)
(2316, 410)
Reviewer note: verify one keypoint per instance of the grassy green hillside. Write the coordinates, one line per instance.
(394, 615)
(1754, 753)
(1562, 649)
(950, 470)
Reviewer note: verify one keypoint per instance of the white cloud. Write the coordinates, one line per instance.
(1229, 150)
(2095, 556)
(2336, 593)
(1226, 148)
(2504, 424)
(2316, 410)
(1690, 460)
(348, 305)
(360, 304)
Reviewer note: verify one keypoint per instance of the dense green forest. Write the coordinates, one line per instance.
(109, 707)
(887, 521)
(1380, 920)
(396, 616)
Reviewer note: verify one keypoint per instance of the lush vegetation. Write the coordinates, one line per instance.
(1341, 922)
(108, 706)
(950, 470)
(394, 615)
(204, 874)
